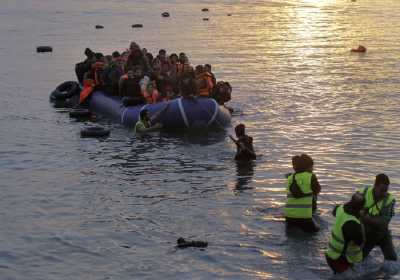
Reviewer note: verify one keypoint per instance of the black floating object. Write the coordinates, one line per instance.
(206, 19)
(137, 25)
(165, 14)
(80, 114)
(182, 243)
(99, 26)
(41, 49)
(205, 10)
(229, 15)
(94, 132)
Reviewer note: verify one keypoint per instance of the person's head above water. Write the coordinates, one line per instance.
(296, 163)
(307, 162)
(381, 186)
(240, 130)
(357, 202)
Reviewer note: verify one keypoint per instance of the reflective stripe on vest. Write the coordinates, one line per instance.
(374, 209)
(300, 208)
(336, 246)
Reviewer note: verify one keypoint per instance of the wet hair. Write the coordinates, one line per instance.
(296, 163)
(162, 51)
(149, 57)
(357, 202)
(116, 54)
(174, 55)
(382, 179)
(89, 53)
(188, 86)
(143, 113)
(98, 56)
(182, 57)
(306, 161)
(199, 69)
(240, 129)
(134, 45)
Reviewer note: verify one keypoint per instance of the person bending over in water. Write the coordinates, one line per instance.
(244, 144)
(144, 123)
(302, 190)
(376, 216)
(347, 237)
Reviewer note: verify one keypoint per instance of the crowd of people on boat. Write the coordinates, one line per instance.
(140, 77)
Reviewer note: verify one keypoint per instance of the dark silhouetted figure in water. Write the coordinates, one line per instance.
(244, 144)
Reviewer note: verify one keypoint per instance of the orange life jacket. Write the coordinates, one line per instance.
(88, 87)
(205, 84)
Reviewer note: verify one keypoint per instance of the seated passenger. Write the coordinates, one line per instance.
(207, 68)
(188, 87)
(136, 58)
(204, 81)
(82, 67)
(168, 93)
(113, 73)
(151, 93)
(222, 92)
(129, 85)
(164, 63)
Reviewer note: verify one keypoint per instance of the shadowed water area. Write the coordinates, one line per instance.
(73, 208)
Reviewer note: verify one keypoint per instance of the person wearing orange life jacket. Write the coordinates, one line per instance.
(93, 79)
(207, 68)
(151, 93)
(204, 81)
(164, 63)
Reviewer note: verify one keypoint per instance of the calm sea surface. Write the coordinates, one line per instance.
(73, 208)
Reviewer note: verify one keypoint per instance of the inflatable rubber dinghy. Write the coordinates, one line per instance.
(180, 113)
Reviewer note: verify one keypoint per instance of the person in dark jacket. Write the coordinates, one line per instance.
(377, 213)
(244, 145)
(136, 58)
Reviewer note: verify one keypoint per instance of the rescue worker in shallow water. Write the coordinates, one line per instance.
(302, 190)
(347, 236)
(376, 215)
(244, 145)
(144, 124)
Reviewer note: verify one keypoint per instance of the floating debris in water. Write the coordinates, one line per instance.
(360, 49)
(42, 49)
(137, 25)
(182, 243)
